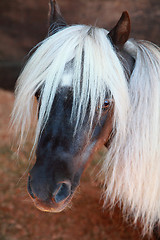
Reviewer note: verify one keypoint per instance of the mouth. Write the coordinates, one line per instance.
(51, 206)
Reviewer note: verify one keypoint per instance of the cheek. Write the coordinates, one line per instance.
(103, 130)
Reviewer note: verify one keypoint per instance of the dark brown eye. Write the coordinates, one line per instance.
(37, 94)
(106, 105)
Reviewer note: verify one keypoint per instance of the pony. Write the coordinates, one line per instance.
(93, 88)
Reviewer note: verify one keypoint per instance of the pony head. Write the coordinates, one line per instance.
(76, 75)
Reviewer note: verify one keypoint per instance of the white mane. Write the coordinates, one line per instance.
(87, 53)
(132, 165)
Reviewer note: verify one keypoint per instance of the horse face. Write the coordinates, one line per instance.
(62, 155)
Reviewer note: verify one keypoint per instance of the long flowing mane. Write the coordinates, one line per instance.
(85, 53)
(132, 165)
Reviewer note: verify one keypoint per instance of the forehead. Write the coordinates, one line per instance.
(67, 79)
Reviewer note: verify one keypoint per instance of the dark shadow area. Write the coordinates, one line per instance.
(9, 72)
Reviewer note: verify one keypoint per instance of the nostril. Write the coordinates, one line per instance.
(63, 192)
(29, 187)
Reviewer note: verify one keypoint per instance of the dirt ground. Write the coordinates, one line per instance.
(20, 220)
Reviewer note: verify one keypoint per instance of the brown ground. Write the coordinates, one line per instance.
(20, 220)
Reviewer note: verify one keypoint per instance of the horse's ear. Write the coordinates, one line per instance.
(120, 33)
(56, 21)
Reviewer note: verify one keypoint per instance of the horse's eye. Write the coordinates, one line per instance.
(37, 95)
(107, 103)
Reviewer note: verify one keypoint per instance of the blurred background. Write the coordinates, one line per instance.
(22, 25)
